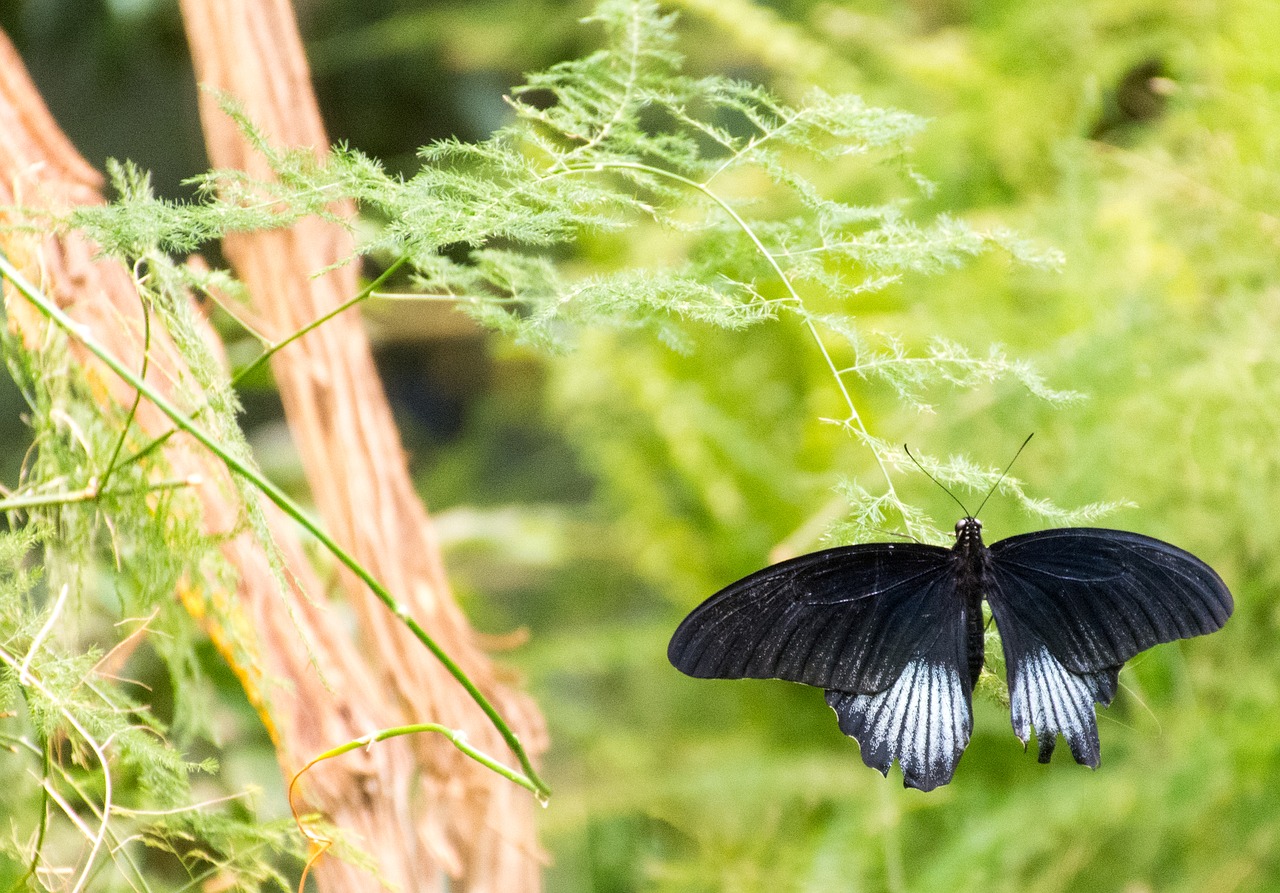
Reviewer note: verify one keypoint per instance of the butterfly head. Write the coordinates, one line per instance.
(968, 532)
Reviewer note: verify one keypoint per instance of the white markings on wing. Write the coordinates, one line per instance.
(922, 721)
(1044, 693)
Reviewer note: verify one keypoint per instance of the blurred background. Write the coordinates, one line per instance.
(591, 499)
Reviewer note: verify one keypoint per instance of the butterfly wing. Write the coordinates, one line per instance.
(880, 626)
(1072, 605)
(923, 719)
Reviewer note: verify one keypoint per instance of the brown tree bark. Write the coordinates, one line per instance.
(424, 812)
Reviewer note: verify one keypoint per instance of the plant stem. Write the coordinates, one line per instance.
(271, 350)
(26, 680)
(142, 374)
(88, 494)
(456, 737)
(361, 295)
(267, 353)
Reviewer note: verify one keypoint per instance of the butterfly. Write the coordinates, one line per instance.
(894, 633)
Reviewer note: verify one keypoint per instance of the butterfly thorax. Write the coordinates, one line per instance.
(970, 563)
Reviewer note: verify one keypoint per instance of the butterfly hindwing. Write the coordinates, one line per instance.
(1055, 700)
(1072, 605)
(923, 719)
(881, 627)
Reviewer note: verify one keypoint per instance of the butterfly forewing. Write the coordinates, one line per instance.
(1097, 597)
(847, 618)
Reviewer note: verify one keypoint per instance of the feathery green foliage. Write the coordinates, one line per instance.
(600, 143)
(710, 197)
(92, 763)
(1164, 315)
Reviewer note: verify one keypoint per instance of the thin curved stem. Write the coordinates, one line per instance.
(37, 851)
(359, 296)
(456, 737)
(142, 374)
(25, 680)
(272, 349)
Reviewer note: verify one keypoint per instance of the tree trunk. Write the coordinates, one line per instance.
(421, 810)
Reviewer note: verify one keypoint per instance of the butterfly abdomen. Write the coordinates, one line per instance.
(977, 645)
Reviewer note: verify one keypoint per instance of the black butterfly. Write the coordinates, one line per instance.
(894, 633)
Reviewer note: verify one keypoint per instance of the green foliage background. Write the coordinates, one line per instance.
(596, 495)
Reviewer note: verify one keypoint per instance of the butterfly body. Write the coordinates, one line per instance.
(894, 633)
(970, 559)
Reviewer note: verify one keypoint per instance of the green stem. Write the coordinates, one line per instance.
(456, 737)
(25, 679)
(88, 494)
(361, 295)
(270, 351)
(142, 374)
(184, 423)
(37, 851)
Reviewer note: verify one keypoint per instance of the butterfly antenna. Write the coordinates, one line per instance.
(953, 496)
(1000, 479)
